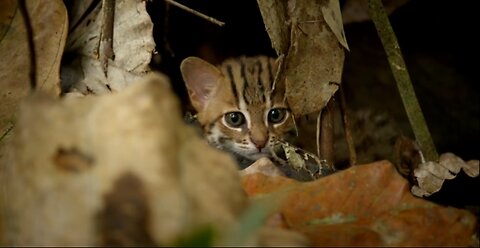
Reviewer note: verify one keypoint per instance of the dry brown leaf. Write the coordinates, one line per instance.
(314, 62)
(49, 22)
(7, 13)
(365, 205)
(274, 16)
(133, 46)
(333, 17)
(313, 33)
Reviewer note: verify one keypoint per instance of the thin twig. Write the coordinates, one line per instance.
(319, 117)
(166, 30)
(192, 11)
(404, 84)
(346, 126)
(280, 64)
(31, 44)
(295, 125)
(106, 42)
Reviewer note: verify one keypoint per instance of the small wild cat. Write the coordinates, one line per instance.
(238, 107)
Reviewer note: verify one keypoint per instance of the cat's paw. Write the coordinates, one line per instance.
(264, 166)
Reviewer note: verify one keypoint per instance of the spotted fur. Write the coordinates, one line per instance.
(239, 85)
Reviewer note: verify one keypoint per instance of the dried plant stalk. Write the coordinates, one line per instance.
(327, 133)
(106, 43)
(346, 127)
(404, 84)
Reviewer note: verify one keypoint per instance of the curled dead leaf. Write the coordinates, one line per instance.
(472, 168)
(437, 169)
(299, 164)
(427, 179)
(451, 162)
(431, 175)
(455, 164)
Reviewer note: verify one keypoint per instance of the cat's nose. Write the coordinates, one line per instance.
(259, 144)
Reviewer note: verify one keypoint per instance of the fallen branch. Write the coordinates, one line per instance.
(397, 65)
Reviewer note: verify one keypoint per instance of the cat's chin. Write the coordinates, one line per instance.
(245, 159)
(256, 155)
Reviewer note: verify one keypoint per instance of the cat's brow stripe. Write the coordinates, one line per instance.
(259, 80)
(272, 78)
(245, 82)
(232, 84)
(270, 74)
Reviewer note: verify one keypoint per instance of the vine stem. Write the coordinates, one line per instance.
(379, 16)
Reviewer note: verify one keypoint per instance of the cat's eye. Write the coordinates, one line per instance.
(276, 115)
(234, 119)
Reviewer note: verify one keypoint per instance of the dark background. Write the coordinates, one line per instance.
(437, 41)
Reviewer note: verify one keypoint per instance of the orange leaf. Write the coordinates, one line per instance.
(365, 205)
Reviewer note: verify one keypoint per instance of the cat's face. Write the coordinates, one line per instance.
(236, 106)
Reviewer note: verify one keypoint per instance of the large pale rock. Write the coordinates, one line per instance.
(119, 169)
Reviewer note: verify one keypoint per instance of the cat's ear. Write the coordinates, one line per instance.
(201, 79)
